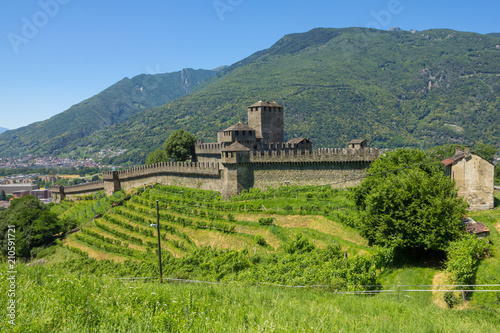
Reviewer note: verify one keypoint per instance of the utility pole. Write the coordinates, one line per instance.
(158, 234)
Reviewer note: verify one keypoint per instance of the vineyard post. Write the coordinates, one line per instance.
(158, 234)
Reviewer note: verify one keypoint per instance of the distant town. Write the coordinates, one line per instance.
(30, 161)
(16, 182)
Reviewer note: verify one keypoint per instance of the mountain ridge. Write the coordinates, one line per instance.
(394, 88)
(110, 106)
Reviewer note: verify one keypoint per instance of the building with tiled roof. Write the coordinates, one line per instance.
(474, 178)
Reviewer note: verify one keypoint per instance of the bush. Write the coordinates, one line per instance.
(46, 252)
(450, 299)
(463, 258)
(299, 245)
(265, 221)
(260, 240)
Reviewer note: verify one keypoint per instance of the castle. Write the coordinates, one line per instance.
(245, 156)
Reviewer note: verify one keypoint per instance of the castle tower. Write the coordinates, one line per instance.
(267, 120)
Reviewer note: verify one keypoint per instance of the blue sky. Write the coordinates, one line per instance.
(56, 53)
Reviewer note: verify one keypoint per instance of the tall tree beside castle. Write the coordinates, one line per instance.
(178, 147)
(157, 156)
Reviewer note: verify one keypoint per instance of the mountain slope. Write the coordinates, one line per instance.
(393, 88)
(3, 129)
(113, 105)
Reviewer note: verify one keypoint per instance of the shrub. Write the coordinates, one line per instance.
(451, 299)
(260, 240)
(265, 221)
(299, 245)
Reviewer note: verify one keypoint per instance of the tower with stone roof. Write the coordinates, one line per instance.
(267, 120)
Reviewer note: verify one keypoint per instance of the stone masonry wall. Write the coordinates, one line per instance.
(474, 179)
(72, 192)
(336, 174)
(334, 166)
(194, 175)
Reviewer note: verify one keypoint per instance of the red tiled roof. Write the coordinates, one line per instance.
(453, 159)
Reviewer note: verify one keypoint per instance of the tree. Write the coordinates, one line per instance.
(180, 145)
(157, 156)
(3, 197)
(406, 202)
(442, 152)
(486, 151)
(35, 225)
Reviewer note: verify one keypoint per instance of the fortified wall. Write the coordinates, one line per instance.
(238, 171)
(72, 192)
(201, 175)
(245, 156)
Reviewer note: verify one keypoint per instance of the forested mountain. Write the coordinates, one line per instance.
(394, 88)
(3, 129)
(111, 106)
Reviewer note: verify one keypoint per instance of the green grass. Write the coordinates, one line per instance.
(488, 271)
(70, 294)
(51, 300)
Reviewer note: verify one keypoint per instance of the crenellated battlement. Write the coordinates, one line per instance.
(60, 192)
(81, 188)
(208, 148)
(192, 168)
(246, 156)
(318, 155)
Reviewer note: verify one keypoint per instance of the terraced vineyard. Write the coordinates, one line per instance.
(259, 221)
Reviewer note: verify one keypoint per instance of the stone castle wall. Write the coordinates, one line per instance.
(336, 174)
(318, 155)
(195, 175)
(239, 171)
(72, 192)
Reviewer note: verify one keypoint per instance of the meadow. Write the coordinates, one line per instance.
(54, 301)
(283, 260)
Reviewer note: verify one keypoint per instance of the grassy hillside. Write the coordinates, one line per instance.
(53, 300)
(242, 269)
(193, 219)
(394, 88)
(111, 106)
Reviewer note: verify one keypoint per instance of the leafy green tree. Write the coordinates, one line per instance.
(77, 181)
(35, 225)
(2, 195)
(486, 151)
(442, 152)
(180, 145)
(408, 203)
(157, 156)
